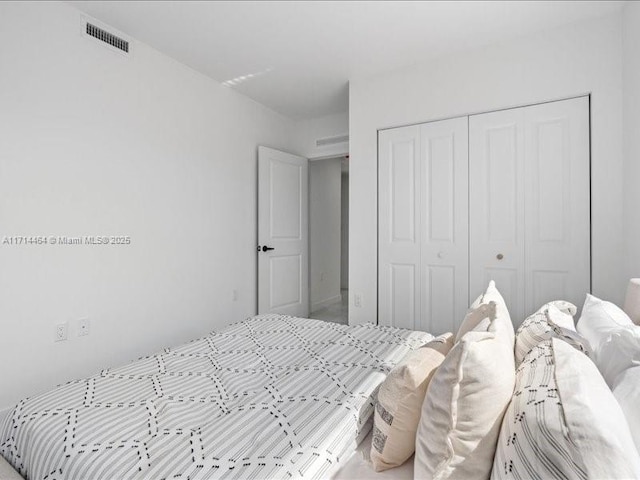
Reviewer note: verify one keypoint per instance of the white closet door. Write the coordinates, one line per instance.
(399, 228)
(557, 248)
(529, 204)
(445, 224)
(496, 206)
(423, 226)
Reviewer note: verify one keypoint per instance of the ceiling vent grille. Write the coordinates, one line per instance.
(323, 142)
(106, 37)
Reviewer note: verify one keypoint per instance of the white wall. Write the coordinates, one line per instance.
(95, 143)
(324, 231)
(329, 126)
(631, 80)
(551, 65)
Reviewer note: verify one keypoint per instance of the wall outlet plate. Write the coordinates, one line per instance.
(83, 327)
(60, 332)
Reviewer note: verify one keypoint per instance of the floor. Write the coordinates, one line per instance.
(337, 312)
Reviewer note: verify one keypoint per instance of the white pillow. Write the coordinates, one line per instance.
(475, 316)
(464, 405)
(615, 339)
(537, 327)
(399, 402)
(616, 342)
(627, 392)
(563, 421)
(618, 352)
(599, 319)
(502, 313)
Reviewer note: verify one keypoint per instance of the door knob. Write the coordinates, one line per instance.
(266, 249)
(440, 254)
(499, 256)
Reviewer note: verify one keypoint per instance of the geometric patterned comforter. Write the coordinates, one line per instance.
(270, 397)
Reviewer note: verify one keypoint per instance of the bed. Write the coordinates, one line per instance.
(270, 397)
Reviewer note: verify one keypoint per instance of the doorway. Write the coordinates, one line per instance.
(329, 239)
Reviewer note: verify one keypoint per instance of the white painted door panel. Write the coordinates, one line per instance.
(399, 229)
(557, 199)
(283, 210)
(496, 206)
(423, 249)
(444, 211)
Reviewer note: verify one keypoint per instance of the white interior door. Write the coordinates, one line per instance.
(283, 231)
(423, 226)
(529, 204)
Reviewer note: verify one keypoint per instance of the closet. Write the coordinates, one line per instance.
(501, 195)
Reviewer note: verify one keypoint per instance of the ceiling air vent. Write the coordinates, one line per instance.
(323, 142)
(106, 37)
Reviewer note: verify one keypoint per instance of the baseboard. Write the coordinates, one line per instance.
(326, 302)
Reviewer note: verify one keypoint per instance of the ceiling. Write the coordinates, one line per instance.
(297, 57)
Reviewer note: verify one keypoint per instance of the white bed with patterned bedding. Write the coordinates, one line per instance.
(270, 397)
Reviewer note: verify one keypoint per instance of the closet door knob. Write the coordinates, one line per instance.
(440, 254)
(499, 256)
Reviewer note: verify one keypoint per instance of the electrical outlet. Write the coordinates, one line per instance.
(60, 333)
(357, 300)
(234, 295)
(83, 327)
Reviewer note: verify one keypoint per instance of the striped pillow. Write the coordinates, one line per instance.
(563, 421)
(536, 328)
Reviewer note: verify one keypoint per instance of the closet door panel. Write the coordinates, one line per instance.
(496, 206)
(529, 204)
(557, 199)
(445, 234)
(440, 298)
(399, 281)
(402, 295)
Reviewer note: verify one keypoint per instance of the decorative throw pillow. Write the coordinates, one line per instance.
(555, 320)
(615, 339)
(503, 319)
(618, 352)
(476, 303)
(464, 405)
(563, 421)
(399, 403)
(474, 316)
(616, 342)
(599, 319)
(627, 392)
(540, 326)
